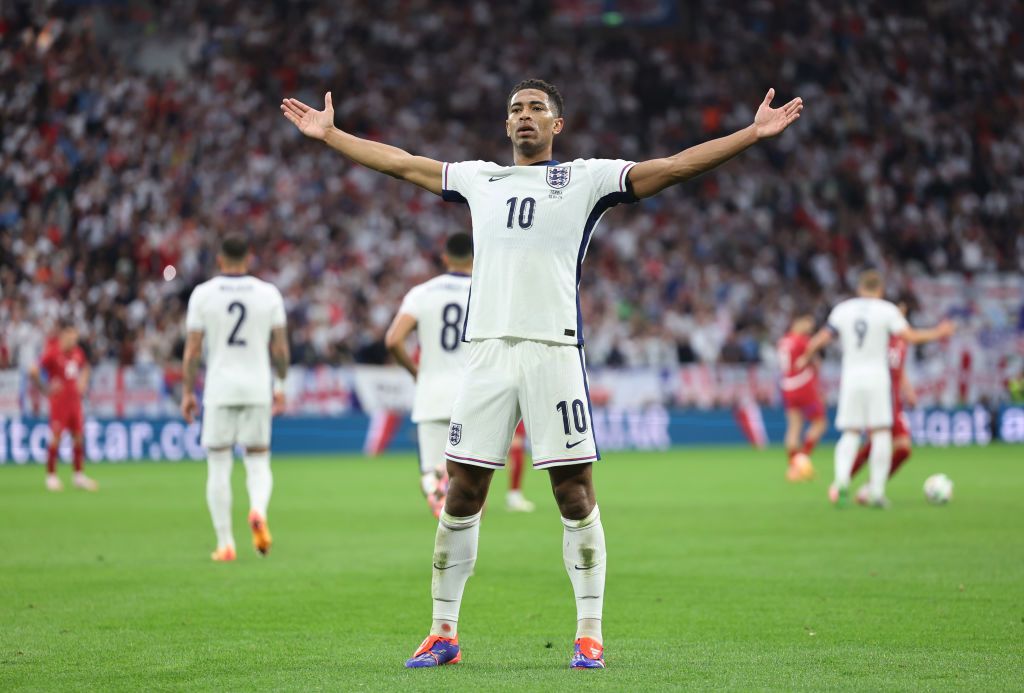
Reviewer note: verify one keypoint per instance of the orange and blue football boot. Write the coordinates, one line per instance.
(587, 654)
(435, 651)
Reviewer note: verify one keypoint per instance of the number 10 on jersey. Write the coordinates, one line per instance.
(526, 209)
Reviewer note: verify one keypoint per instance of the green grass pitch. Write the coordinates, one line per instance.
(721, 576)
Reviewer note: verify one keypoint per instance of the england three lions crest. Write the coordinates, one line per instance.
(455, 434)
(558, 176)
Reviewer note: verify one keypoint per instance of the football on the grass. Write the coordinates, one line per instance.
(938, 489)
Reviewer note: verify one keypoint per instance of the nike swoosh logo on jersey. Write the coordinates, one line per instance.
(494, 178)
(569, 446)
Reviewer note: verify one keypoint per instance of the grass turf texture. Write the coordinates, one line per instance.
(721, 575)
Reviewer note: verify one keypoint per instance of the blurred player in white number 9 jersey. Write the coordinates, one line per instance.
(436, 310)
(241, 319)
(865, 325)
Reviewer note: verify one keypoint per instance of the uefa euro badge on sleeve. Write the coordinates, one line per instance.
(558, 176)
(455, 434)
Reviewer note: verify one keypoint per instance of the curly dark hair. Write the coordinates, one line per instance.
(550, 89)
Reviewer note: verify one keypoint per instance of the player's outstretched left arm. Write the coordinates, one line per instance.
(190, 370)
(651, 177)
(395, 162)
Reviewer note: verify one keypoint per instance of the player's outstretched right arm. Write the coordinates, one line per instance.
(946, 328)
(395, 162)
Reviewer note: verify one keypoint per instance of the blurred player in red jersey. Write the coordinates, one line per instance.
(801, 396)
(67, 374)
(902, 391)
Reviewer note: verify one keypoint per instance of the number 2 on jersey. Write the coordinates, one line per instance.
(526, 210)
(233, 338)
(451, 316)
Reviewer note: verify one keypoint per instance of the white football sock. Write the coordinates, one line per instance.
(218, 494)
(259, 481)
(879, 463)
(454, 558)
(583, 551)
(845, 455)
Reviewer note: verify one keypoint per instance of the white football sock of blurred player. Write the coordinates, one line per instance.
(880, 462)
(258, 480)
(218, 494)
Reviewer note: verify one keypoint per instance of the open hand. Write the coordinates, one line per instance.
(310, 122)
(769, 121)
(947, 328)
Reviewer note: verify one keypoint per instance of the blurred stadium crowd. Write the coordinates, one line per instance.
(132, 139)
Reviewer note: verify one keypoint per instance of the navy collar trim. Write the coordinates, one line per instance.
(457, 274)
(549, 162)
(232, 275)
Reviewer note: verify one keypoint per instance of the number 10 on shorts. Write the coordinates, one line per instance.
(579, 415)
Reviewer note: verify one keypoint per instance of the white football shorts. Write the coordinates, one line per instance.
(506, 379)
(432, 437)
(864, 405)
(247, 425)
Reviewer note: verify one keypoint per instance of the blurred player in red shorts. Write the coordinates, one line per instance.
(801, 396)
(902, 391)
(515, 501)
(67, 374)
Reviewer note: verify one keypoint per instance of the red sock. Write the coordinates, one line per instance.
(862, 457)
(899, 456)
(51, 460)
(515, 466)
(810, 444)
(79, 458)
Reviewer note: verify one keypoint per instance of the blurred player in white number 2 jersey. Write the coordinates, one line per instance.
(865, 325)
(436, 309)
(243, 321)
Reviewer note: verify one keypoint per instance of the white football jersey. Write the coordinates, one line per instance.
(236, 314)
(864, 326)
(531, 229)
(439, 306)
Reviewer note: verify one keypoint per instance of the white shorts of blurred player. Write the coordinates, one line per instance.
(864, 406)
(432, 437)
(246, 425)
(507, 379)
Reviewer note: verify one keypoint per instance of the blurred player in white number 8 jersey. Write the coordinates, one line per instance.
(865, 325)
(436, 309)
(242, 319)
(532, 224)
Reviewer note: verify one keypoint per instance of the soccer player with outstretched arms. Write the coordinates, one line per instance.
(241, 320)
(532, 222)
(865, 326)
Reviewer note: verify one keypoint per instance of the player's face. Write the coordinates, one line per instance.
(68, 338)
(531, 123)
(803, 325)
